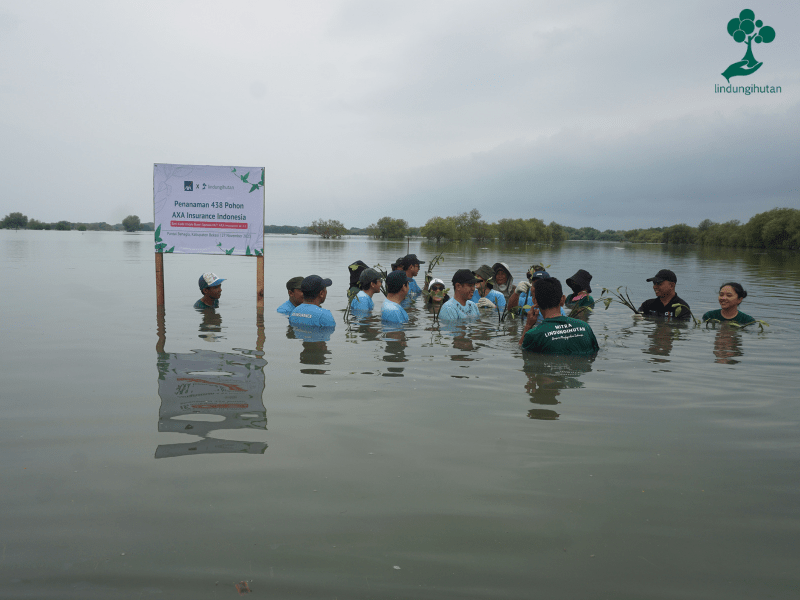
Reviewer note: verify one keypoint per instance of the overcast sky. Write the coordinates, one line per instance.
(597, 114)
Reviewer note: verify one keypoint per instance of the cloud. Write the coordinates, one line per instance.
(604, 111)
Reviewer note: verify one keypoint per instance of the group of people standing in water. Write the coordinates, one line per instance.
(539, 299)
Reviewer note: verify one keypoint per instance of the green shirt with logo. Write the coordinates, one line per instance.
(200, 305)
(561, 335)
(586, 300)
(740, 317)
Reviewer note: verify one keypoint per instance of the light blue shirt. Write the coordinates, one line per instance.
(286, 308)
(313, 334)
(413, 288)
(528, 299)
(452, 310)
(311, 315)
(492, 295)
(362, 302)
(392, 312)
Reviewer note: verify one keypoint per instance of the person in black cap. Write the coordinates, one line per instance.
(581, 288)
(369, 284)
(295, 296)
(537, 271)
(310, 313)
(211, 288)
(460, 306)
(666, 300)
(396, 291)
(411, 264)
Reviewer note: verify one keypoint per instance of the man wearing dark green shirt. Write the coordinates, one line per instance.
(211, 288)
(556, 334)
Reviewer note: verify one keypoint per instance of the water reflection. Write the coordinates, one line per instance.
(211, 325)
(363, 328)
(221, 390)
(315, 346)
(396, 343)
(460, 338)
(548, 375)
(662, 338)
(727, 345)
(131, 249)
(204, 391)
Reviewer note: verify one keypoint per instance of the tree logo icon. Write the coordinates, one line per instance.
(188, 186)
(745, 28)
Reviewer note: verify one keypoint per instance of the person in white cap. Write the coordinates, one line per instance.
(211, 288)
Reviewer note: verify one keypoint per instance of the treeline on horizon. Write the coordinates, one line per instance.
(16, 220)
(778, 228)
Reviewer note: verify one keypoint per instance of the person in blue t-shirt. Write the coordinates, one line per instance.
(460, 306)
(484, 296)
(295, 296)
(411, 264)
(396, 291)
(370, 283)
(310, 313)
(211, 288)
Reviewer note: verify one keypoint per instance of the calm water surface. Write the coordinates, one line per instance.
(178, 455)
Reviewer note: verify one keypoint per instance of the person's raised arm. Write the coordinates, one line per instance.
(533, 314)
(522, 288)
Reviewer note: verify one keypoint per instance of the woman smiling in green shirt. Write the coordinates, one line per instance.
(730, 297)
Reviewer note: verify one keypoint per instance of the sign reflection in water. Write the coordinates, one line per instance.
(210, 383)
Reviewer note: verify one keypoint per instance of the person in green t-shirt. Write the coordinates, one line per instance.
(730, 297)
(556, 334)
(211, 288)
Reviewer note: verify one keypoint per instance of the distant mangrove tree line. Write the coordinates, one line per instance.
(778, 228)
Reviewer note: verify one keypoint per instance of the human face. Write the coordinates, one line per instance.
(375, 286)
(463, 291)
(500, 277)
(213, 292)
(437, 293)
(728, 299)
(665, 289)
(296, 296)
(413, 270)
(481, 284)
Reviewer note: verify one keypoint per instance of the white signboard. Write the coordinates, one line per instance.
(208, 210)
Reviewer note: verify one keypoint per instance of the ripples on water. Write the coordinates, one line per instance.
(665, 466)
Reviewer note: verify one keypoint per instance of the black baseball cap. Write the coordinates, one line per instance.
(294, 283)
(368, 276)
(664, 275)
(410, 259)
(464, 276)
(314, 283)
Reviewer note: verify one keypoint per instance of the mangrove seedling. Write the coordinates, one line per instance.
(679, 309)
(618, 296)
